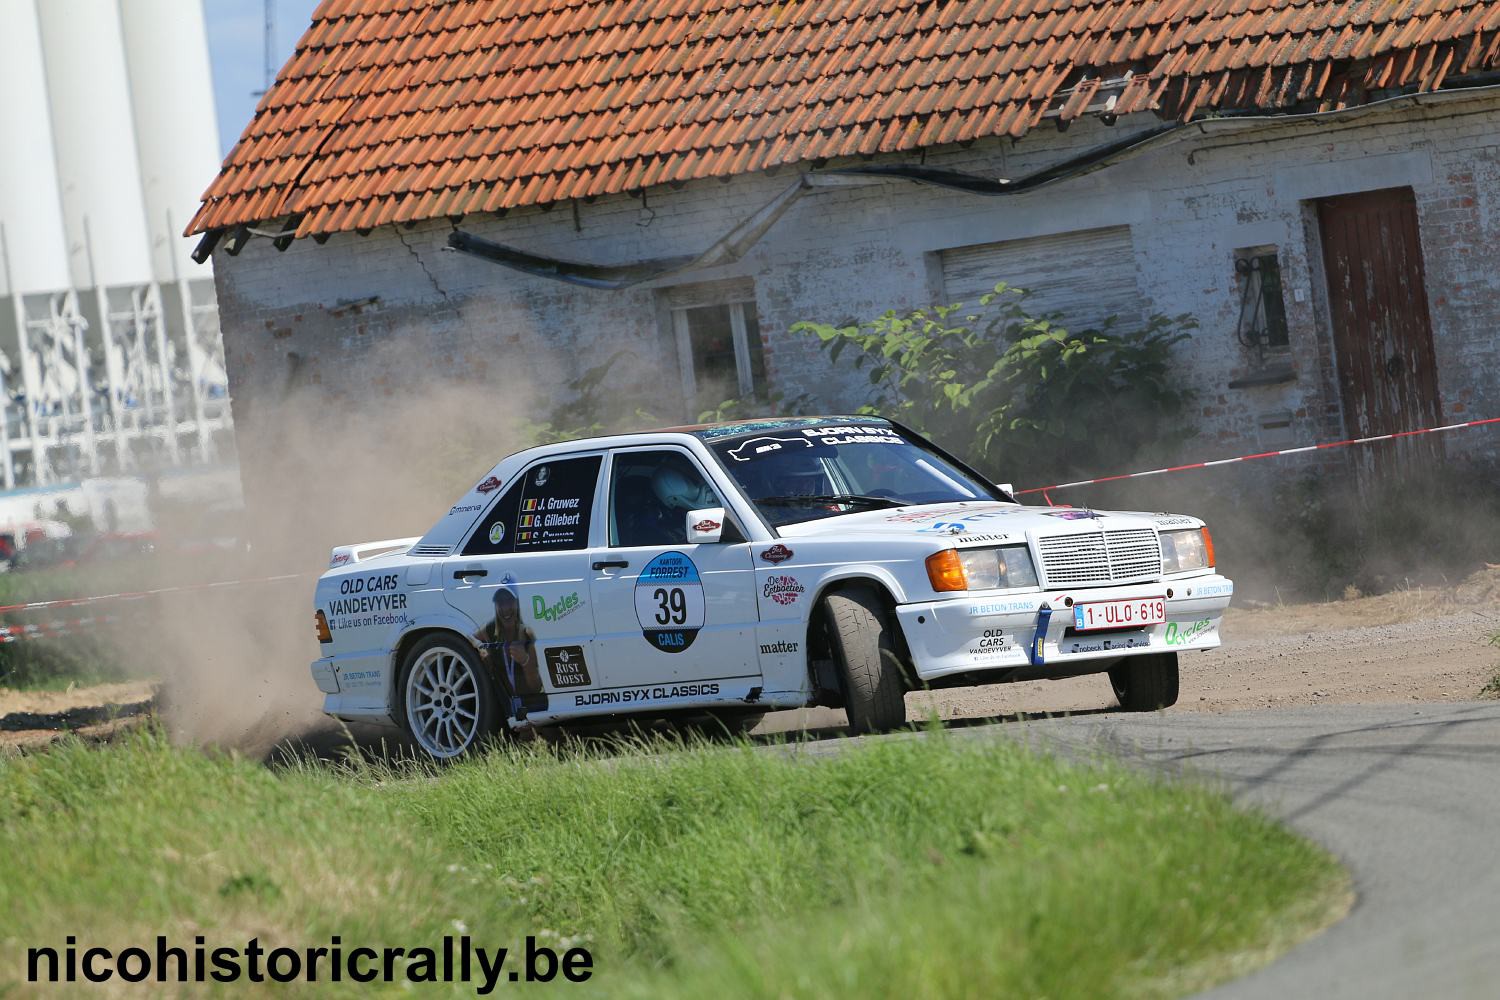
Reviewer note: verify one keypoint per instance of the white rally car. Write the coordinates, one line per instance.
(736, 568)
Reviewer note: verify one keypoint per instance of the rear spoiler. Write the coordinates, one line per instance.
(343, 555)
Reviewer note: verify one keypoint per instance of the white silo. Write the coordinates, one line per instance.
(30, 208)
(33, 238)
(166, 50)
(110, 334)
(93, 130)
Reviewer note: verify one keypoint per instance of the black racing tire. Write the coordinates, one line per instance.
(435, 714)
(1146, 683)
(870, 662)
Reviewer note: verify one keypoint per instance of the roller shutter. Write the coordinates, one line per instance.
(1087, 276)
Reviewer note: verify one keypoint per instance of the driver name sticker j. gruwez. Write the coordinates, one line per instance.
(669, 602)
(554, 506)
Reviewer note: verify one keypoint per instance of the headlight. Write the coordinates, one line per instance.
(981, 569)
(1182, 551)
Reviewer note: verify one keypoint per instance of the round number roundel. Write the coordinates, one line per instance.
(669, 602)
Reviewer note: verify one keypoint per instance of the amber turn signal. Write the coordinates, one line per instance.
(1208, 548)
(322, 622)
(946, 571)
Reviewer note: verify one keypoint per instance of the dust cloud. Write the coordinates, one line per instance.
(1333, 526)
(233, 661)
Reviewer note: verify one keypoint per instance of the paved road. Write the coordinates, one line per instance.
(1408, 796)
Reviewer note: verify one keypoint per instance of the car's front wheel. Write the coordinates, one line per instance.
(447, 700)
(1146, 683)
(869, 659)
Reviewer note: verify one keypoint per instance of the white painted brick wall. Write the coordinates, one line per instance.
(845, 254)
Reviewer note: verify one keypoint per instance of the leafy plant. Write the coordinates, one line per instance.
(744, 408)
(592, 404)
(1491, 688)
(1012, 389)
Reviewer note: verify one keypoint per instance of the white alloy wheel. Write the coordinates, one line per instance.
(443, 702)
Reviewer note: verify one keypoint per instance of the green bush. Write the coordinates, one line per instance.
(1011, 390)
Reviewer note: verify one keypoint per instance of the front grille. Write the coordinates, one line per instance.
(1121, 556)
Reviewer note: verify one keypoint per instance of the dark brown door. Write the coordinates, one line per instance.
(1382, 333)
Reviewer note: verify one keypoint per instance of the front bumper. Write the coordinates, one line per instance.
(1000, 631)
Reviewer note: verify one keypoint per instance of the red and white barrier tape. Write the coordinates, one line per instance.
(14, 634)
(1044, 490)
(136, 595)
(52, 629)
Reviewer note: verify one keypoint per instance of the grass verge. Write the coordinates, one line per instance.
(925, 867)
(1491, 687)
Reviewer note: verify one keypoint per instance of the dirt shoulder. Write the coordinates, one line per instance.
(31, 720)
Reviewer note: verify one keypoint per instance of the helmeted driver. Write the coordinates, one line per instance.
(681, 489)
(676, 487)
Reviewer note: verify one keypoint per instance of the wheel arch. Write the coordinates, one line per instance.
(408, 639)
(817, 642)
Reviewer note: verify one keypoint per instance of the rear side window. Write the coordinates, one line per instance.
(546, 510)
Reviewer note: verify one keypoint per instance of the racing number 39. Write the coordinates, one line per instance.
(669, 602)
(671, 606)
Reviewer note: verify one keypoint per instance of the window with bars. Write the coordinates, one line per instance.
(1262, 318)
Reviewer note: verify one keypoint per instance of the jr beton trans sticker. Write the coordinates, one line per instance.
(669, 602)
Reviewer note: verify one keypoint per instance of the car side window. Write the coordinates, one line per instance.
(548, 509)
(649, 497)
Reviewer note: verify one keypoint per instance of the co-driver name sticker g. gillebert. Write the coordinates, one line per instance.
(669, 602)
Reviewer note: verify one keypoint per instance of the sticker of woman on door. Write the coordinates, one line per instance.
(509, 647)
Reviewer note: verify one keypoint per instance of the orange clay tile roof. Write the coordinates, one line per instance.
(399, 110)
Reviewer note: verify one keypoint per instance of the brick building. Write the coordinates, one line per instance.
(1318, 184)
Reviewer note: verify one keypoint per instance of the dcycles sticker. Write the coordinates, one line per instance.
(557, 610)
(782, 589)
(777, 553)
(669, 602)
(1181, 635)
(490, 485)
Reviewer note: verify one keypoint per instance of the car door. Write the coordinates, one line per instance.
(522, 578)
(667, 612)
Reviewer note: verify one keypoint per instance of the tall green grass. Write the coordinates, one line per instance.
(912, 867)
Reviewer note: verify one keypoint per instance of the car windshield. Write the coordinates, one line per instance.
(804, 471)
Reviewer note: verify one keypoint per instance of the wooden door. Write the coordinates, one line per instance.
(1382, 332)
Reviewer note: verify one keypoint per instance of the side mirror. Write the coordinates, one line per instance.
(1006, 488)
(705, 526)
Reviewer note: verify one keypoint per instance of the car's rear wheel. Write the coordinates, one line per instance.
(1146, 683)
(870, 661)
(447, 700)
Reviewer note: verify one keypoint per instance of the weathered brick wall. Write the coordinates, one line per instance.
(293, 321)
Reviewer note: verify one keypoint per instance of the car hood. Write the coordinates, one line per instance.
(978, 523)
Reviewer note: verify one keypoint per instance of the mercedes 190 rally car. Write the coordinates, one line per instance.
(736, 568)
